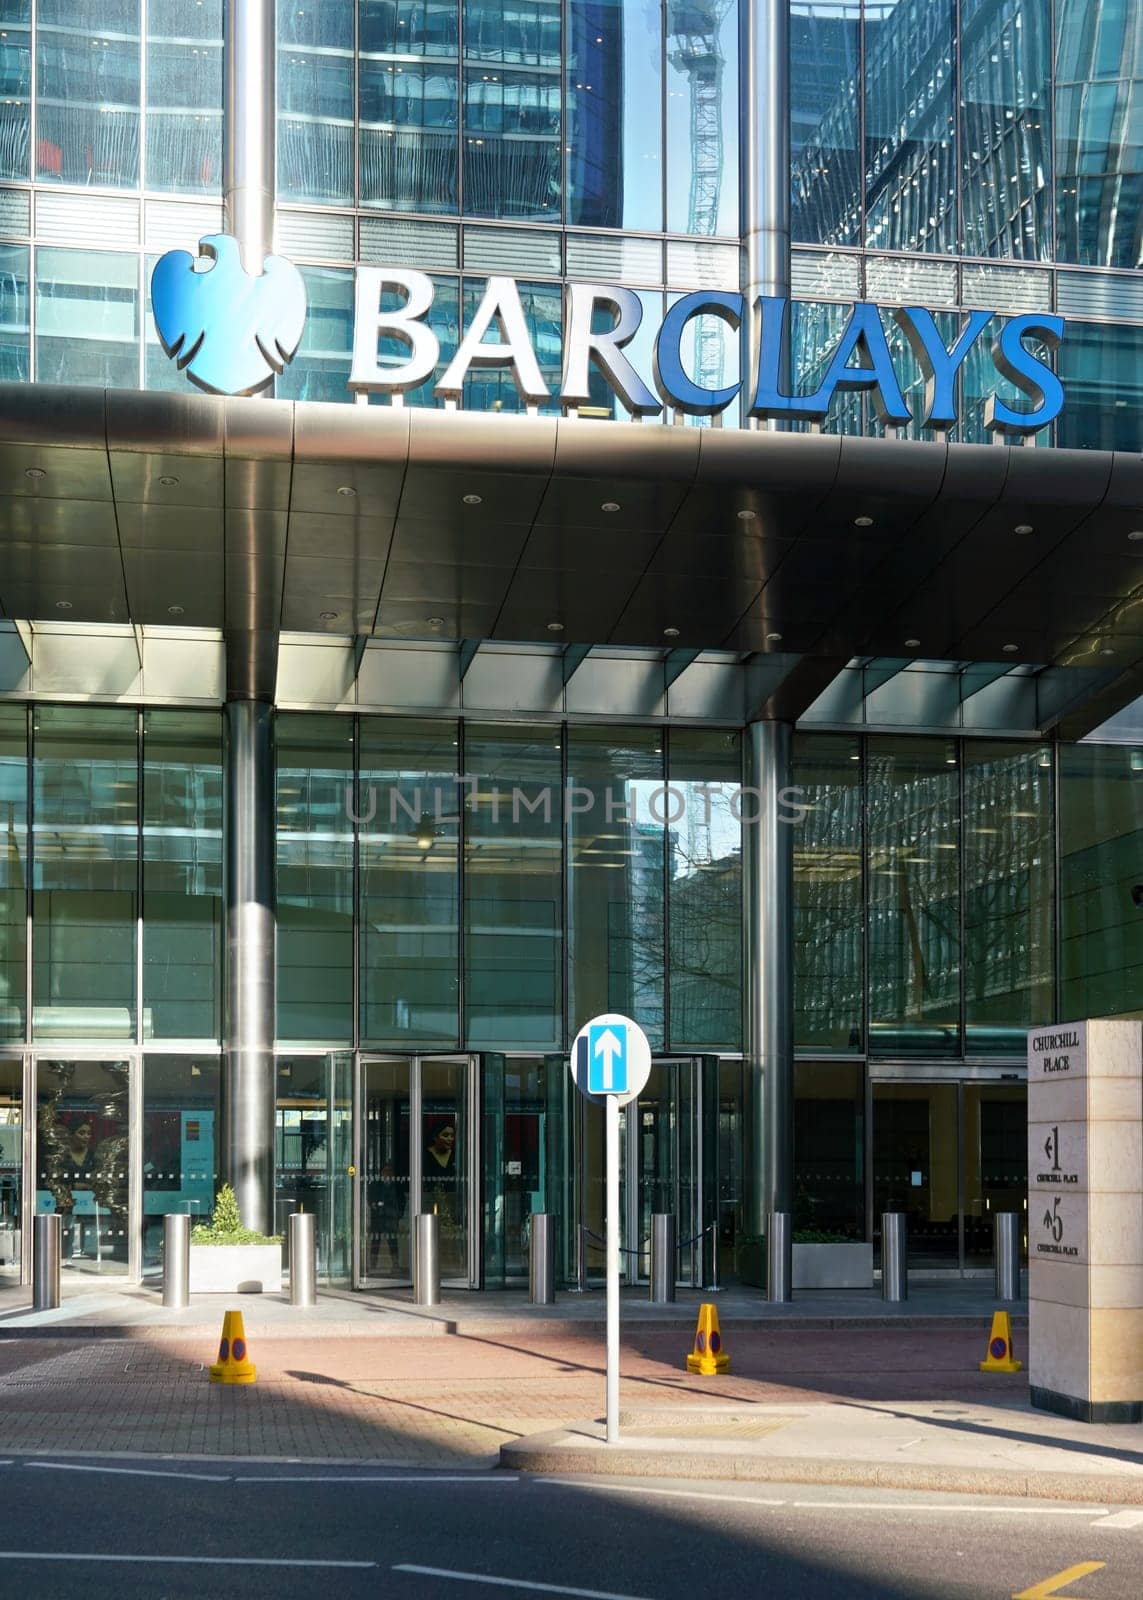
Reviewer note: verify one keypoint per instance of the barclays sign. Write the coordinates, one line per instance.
(232, 332)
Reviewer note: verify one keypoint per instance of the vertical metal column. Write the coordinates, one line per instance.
(249, 112)
(248, 1085)
(764, 120)
(768, 857)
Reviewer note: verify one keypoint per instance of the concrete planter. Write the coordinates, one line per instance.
(833, 1266)
(235, 1268)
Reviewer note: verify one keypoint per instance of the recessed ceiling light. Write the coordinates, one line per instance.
(435, 622)
(347, 491)
(472, 499)
(773, 638)
(327, 616)
(1136, 535)
(912, 644)
(174, 611)
(863, 522)
(63, 605)
(1107, 650)
(555, 627)
(168, 482)
(610, 505)
(1011, 649)
(670, 633)
(34, 472)
(1023, 527)
(746, 515)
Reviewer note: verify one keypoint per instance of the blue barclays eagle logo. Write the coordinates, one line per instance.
(230, 331)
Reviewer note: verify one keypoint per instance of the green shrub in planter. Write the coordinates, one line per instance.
(225, 1226)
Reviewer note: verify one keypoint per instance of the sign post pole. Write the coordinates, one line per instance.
(612, 1110)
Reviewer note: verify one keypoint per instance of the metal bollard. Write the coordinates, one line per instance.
(542, 1259)
(1006, 1244)
(176, 1260)
(426, 1259)
(46, 1261)
(779, 1256)
(894, 1256)
(663, 1253)
(302, 1232)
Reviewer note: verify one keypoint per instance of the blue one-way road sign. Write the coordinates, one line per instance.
(607, 1058)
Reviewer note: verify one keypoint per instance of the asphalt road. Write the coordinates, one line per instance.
(155, 1529)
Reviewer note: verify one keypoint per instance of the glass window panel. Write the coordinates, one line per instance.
(87, 318)
(320, 370)
(11, 1163)
(313, 1154)
(494, 388)
(14, 336)
(1101, 368)
(702, 118)
(408, 802)
(87, 93)
(1006, 128)
(910, 126)
(86, 850)
(181, 1133)
(915, 1167)
(13, 870)
(913, 804)
(1101, 863)
(614, 89)
(829, 1150)
(995, 1164)
(828, 900)
(704, 869)
(184, 96)
(315, 100)
(315, 877)
(182, 874)
(1099, 133)
(825, 107)
(512, 94)
(513, 885)
(616, 885)
(82, 1118)
(15, 89)
(1008, 854)
(409, 108)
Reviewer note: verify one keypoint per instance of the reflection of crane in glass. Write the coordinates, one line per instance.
(694, 46)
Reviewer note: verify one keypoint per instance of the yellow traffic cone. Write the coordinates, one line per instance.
(708, 1356)
(1000, 1354)
(232, 1365)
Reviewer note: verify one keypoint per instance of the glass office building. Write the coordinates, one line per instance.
(499, 724)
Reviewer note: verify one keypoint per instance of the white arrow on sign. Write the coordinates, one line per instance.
(609, 1047)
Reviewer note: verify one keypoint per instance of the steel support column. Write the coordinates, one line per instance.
(249, 112)
(764, 90)
(248, 1083)
(768, 905)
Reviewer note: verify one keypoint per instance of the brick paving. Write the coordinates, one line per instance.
(443, 1400)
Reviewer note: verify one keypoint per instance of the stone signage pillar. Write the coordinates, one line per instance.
(1085, 1220)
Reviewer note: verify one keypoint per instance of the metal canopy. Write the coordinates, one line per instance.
(255, 517)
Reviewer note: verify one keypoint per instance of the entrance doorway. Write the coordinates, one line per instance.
(416, 1151)
(84, 1159)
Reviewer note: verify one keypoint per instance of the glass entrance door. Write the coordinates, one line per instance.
(416, 1147)
(11, 1164)
(83, 1158)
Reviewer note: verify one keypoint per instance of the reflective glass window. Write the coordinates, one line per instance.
(616, 886)
(87, 93)
(13, 870)
(702, 118)
(314, 1153)
(1099, 132)
(614, 109)
(512, 111)
(315, 100)
(913, 801)
(704, 811)
(320, 370)
(513, 885)
(315, 877)
(828, 899)
(87, 318)
(182, 874)
(1006, 143)
(181, 1142)
(184, 96)
(910, 126)
(15, 88)
(1101, 867)
(1008, 871)
(11, 1163)
(408, 803)
(409, 141)
(85, 873)
(829, 1151)
(14, 325)
(1101, 368)
(825, 110)
(83, 1113)
(494, 388)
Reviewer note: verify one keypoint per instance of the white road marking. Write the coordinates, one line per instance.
(176, 1561)
(127, 1472)
(919, 1509)
(1120, 1519)
(493, 1582)
(391, 1477)
(668, 1494)
(1096, 1514)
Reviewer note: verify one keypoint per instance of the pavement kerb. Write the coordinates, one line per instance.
(549, 1455)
